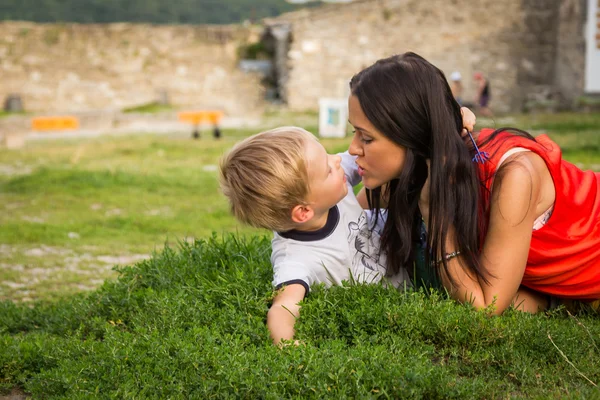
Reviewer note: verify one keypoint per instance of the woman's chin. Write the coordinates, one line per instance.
(369, 184)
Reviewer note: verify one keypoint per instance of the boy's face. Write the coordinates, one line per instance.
(326, 178)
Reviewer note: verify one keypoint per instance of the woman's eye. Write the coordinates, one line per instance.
(362, 138)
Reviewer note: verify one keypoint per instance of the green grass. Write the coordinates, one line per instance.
(188, 322)
(593, 101)
(101, 197)
(70, 206)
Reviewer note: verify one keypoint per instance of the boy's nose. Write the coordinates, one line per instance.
(337, 159)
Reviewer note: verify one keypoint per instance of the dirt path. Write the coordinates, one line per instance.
(29, 273)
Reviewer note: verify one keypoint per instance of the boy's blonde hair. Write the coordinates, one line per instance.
(265, 176)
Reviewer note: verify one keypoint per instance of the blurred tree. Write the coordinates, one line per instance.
(153, 11)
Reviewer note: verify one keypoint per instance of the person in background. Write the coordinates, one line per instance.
(483, 95)
(457, 87)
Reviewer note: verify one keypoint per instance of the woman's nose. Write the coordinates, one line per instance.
(355, 149)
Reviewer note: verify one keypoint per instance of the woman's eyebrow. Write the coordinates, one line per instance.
(358, 128)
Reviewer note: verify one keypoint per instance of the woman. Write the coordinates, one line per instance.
(496, 217)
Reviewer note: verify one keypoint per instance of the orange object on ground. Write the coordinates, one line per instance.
(55, 123)
(212, 117)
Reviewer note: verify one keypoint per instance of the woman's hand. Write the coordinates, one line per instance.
(469, 119)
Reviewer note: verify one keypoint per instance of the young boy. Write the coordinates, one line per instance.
(285, 181)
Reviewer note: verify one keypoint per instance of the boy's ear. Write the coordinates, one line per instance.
(302, 214)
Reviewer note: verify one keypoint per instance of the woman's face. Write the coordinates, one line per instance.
(379, 159)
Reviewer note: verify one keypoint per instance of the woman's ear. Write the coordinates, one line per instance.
(302, 214)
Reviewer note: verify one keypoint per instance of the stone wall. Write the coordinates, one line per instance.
(527, 49)
(515, 43)
(536, 55)
(77, 68)
(570, 60)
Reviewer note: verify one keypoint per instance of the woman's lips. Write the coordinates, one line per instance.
(361, 171)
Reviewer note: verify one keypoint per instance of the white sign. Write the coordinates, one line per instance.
(592, 57)
(333, 117)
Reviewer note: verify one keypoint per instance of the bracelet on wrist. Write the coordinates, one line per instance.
(448, 257)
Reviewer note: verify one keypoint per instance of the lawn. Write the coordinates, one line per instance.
(187, 320)
(74, 208)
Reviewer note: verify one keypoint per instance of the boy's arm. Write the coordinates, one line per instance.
(284, 311)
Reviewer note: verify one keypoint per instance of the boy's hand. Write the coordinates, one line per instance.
(286, 343)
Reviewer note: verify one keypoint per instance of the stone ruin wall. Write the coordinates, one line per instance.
(79, 68)
(515, 43)
(525, 47)
(570, 60)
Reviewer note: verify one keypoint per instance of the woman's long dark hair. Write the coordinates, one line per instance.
(409, 100)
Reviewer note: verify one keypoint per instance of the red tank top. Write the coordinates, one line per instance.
(564, 257)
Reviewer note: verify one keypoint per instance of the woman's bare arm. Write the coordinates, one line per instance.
(514, 208)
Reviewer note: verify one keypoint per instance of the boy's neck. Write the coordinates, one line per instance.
(318, 221)
(316, 229)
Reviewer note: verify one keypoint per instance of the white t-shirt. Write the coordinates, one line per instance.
(345, 249)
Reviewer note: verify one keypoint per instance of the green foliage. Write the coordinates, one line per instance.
(155, 11)
(52, 36)
(149, 108)
(9, 114)
(190, 323)
(386, 14)
(254, 51)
